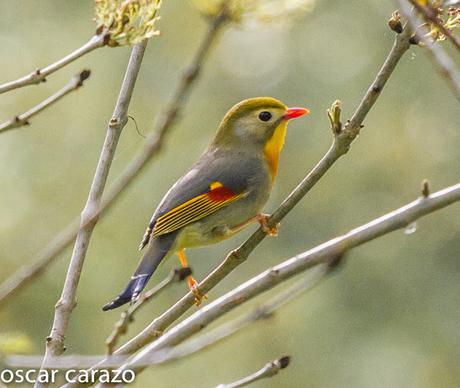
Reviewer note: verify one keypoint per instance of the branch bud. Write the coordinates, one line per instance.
(425, 188)
(395, 22)
(334, 116)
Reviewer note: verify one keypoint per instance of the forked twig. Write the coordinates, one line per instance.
(23, 119)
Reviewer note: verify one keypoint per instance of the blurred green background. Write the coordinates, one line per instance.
(389, 318)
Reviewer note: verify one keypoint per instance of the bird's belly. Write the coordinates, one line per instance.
(219, 225)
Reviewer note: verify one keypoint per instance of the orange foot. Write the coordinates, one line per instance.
(272, 231)
(193, 285)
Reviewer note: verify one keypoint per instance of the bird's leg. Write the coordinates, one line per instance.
(243, 225)
(263, 220)
(192, 283)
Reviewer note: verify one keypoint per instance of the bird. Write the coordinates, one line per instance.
(223, 192)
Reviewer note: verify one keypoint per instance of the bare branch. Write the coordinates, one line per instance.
(153, 145)
(194, 345)
(340, 146)
(269, 370)
(23, 119)
(442, 61)
(264, 311)
(121, 326)
(324, 253)
(40, 75)
(67, 301)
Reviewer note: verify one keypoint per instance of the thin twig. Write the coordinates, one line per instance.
(440, 58)
(340, 146)
(67, 301)
(23, 119)
(269, 370)
(261, 312)
(153, 145)
(324, 253)
(127, 316)
(194, 345)
(40, 75)
(429, 15)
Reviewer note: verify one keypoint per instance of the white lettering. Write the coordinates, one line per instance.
(131, 374)
(68, 377)
(30, 376)
(4, 378)
(104, 376)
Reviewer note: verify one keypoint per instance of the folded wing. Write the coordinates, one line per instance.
(196, 208)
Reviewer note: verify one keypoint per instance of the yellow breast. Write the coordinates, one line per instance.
(273, 148)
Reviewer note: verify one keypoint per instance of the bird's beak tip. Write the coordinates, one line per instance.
(292, 113)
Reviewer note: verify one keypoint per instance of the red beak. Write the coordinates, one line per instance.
(292, 113)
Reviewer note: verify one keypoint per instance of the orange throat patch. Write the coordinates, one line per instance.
(273, 148)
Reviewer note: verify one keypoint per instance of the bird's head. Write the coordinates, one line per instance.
(257, 124)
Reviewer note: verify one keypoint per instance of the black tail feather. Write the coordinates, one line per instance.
(156, 252)
(131, 292)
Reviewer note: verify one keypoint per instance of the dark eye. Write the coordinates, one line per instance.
(265, 116)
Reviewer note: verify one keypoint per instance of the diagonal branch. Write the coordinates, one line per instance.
(23, 119)
(340, 146)
(67, 301)
(440, 58)
(429, 15)
(40, 75)
(324, 253)
(269, 370)
(153, 145)
(264, 311)
(261, 312)
(194, 345)
(121, 326)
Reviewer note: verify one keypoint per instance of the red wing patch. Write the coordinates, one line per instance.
(196, 208)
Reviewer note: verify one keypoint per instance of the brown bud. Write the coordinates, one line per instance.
(425, 188)
(395, 22)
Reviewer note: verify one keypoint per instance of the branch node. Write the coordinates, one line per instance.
(414, 39)
(106, 36)
(235, 255)
(425, 188)
(335, 261)
(283, 362)
(191, 73)
(376, 89)
(114, 122)
(82, 76)
(37, 77)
